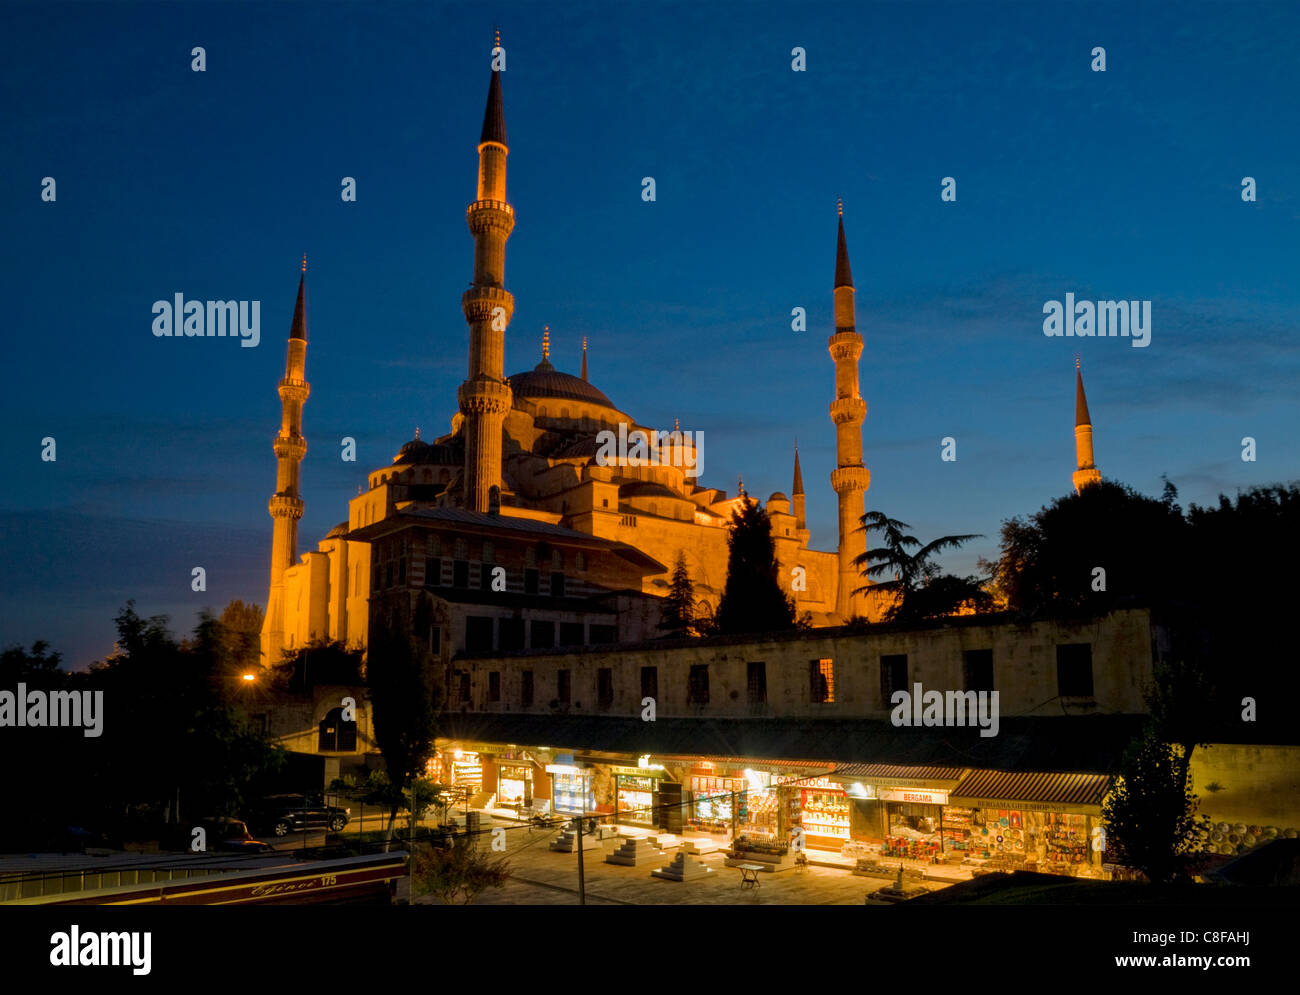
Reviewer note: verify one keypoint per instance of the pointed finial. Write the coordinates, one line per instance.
(584, 357)
(417, 433)
(839, 206)
(740, 484)
(1076, 362)
(677, 425)
(498, 38)
(546, 342)
(304, 262)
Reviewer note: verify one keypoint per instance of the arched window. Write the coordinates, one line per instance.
(428, 476)
(336, 735)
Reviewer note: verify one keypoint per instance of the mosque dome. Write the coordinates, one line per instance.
(544, 380)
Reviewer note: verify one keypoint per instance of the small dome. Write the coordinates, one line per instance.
(339, 530)
(777, 496)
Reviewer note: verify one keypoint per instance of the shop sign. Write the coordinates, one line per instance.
(916, 796)
(563, 769)
(810, 783)
(637, 772)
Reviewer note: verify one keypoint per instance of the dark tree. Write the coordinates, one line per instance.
(905, 568)
(406, 697)
(679, 607)
(1150, 816)
(753, 600)
(1048, 561)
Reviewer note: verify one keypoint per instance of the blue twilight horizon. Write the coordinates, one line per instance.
(1123, 184)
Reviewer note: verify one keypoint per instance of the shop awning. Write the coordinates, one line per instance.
(896, 772)
(1044, 791)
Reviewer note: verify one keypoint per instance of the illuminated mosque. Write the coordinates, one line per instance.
(510, 531)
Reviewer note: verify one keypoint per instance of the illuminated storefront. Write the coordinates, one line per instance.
(1028, 821)
(820, 808)
(714, 801)
(571, 791)
(514, 785)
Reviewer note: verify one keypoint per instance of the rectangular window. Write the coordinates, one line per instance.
(460, 573)
(756, 681)
(570, 633)
(401, 570)
(697, 687)
(821, 674)
(530, 581)
(489, 552)
(462, 686)
(604, 633)
(433, 572)
(435, 639)
(478, 633)
(604, 687)
(563, 687)
(977, 670)
(893, 676)
(526, 687)
(512, 633)
(494, 685)
(557, 585)
(650, 682)
(543, 635)
(388, 574)
(1074, 670)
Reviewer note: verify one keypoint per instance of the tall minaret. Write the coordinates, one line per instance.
(797, 501)
(485, 396)
(286, 504)
(1087, 473)
(850, 478)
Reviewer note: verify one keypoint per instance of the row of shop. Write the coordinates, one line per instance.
(1030, 820)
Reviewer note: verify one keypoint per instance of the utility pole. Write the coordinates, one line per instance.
(582, 881)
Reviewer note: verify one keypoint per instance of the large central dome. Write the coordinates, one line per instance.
(544, 380)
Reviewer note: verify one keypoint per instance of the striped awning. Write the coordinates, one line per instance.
(898, 772)
(1036, 789)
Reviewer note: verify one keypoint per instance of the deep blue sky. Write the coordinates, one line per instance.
(1117, 184)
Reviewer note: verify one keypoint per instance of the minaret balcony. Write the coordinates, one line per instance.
(484, 214)
(484, 397)
(846, 343)
(294, 390)
(292, 447)
(479, 301)
(285, 506)
(850, 478)
(848, 411)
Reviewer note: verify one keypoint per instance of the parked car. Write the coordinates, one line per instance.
(232, 834)
(281, 815)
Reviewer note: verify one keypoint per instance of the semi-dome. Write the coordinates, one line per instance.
(544, 380)
(646, 488)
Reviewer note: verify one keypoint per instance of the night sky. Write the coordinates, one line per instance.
(1122, 184)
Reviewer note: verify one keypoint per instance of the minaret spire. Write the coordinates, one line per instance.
(797, 500)
(485, 397)
(1086, 472)
(286, 505)
(850, 478)
(584, 358)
